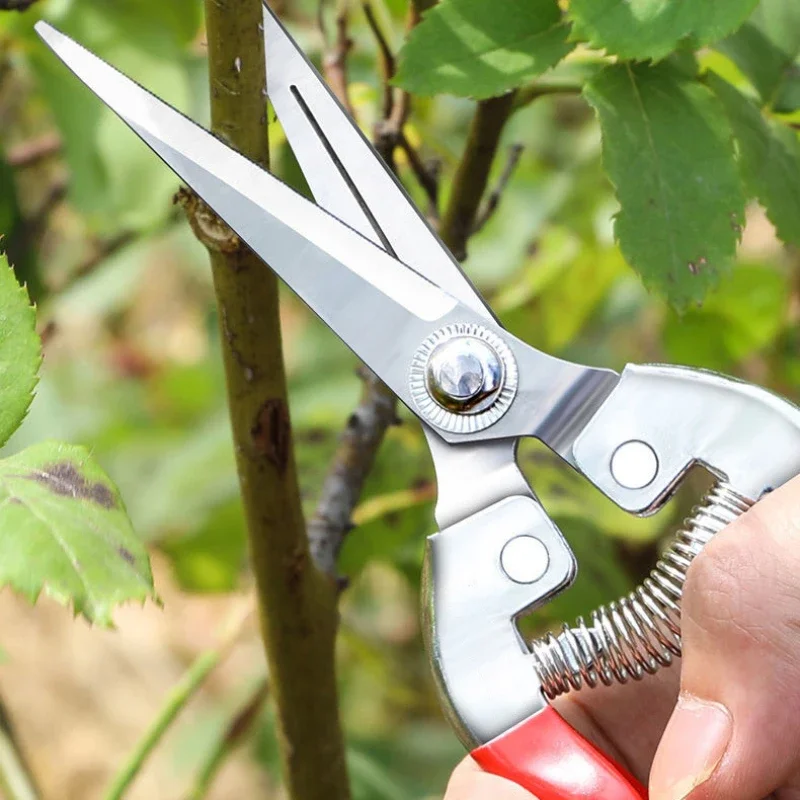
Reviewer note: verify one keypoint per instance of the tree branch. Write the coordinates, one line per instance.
(297, 602)
(472, 175)
(533, 91)
(334, 63)
(389, 132)
(16, 5)
(239, 726)
(353, 461)
(386, 61)
(27, 154)
(493, 201)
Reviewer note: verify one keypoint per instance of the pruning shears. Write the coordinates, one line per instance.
(366, 261)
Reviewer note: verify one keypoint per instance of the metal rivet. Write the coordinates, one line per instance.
(464, 374)
(634, 465)
(524, 559)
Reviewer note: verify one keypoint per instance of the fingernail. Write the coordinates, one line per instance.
(693, 744)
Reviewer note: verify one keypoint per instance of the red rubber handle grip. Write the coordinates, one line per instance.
(549, 758)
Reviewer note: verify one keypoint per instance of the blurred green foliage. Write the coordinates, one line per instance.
(132, 353)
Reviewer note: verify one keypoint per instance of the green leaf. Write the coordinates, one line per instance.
(15, 238)
(20, 352)
(9, 205)
(479, 49)
(766, 47)
(745, 315)
(64, 531)
(668, 150)
(651, 29)
(769, 159)
(787, 98)
(568, 303)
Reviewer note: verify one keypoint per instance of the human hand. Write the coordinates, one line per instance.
(735, 731)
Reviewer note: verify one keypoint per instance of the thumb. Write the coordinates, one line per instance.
(734, 731)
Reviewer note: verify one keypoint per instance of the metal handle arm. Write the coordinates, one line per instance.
(746, 435)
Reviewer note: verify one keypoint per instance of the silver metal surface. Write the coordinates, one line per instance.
(634, 465)
(641, 632)
(483, 667)
(745, 435)
(464, 375)
(442, 354)
(525, 559)
(345, 173)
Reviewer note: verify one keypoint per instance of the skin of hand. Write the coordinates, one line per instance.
(724, 723)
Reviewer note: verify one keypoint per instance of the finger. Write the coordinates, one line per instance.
(470, 782)
(625, 721)
(734, 732)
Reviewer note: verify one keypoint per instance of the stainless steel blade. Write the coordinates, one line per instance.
(346, 175)
(380, 308)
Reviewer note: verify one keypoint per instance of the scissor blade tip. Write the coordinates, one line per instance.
(52, 37)
(44, 29)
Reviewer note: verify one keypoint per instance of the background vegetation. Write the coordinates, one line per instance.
(640, 208)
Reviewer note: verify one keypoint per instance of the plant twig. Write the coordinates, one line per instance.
(472, 174)
(237, 729)
(175, 702)
(533, 91)
(37, 222)
(104, 249)
(16, 5)
(493, 201)
(351, 464)
(386, 60)
(16, 779)
(30, 153)
(297, 602)
(334, 63)
(428, 178)
(389, 132)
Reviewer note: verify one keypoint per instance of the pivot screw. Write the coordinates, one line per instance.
(634, 465)
(464, 375)
(463, 378)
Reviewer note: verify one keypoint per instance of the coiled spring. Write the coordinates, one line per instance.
(640, 633)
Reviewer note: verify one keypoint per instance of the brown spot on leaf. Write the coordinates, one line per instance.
(64, 479)
(271, 433)
(126, 555)
(693, 268)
